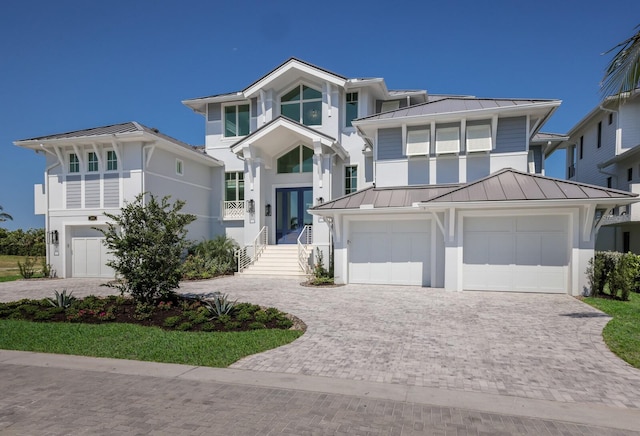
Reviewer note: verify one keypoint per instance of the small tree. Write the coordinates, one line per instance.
(147, 241)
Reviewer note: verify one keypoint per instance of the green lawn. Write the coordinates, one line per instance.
(128, 341)
(9, 267)
(622, 333)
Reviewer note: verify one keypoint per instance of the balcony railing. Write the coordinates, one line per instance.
(233, 210)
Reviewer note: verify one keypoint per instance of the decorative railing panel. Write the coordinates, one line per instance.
(233, 210)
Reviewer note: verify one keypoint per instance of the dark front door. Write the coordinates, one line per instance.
(291, 213)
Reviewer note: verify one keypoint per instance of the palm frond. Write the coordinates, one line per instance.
(622, 75)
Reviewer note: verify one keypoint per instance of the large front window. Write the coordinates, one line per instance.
(298, 160)
(234, 186)
(236, 120)
(302, 104)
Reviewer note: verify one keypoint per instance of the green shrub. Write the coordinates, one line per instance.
(285, 323)
(43, 316)
(262, 317)
(28, 267)
(210, 258)
(232, 325)
(185, 326)
(143, 311)
(62, 299)
(256, 325)
(208, 327)
(219, 305)
(171, 321)
(617, 272)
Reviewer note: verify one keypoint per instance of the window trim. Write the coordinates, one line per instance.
(107, 161)
(223, 118)
(179, 167)
(77, 162)
(347, 121)
(302, 101)
(352, 190)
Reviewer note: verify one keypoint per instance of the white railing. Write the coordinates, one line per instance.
(233, 210)
(305, 241)
(250, 253)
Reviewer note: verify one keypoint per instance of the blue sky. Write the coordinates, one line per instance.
(68, 65)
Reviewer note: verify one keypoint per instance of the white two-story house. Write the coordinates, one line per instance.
(604, 149)
(408, 187)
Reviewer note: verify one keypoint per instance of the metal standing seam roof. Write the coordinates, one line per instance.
(115, 129)
(453, 104)
(504, 185)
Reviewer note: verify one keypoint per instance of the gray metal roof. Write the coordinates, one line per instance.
(543, 137)
(388, 197)
(453, 104)
(504, 185)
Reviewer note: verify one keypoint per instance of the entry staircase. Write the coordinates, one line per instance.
(275, 260)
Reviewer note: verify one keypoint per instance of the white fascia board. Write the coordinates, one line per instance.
(293, 64)
(81, 140)
(366, 211)
(452, 116)
(182, 151)
(520, 204)
(199, 104)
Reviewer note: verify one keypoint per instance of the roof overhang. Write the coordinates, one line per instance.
(199, 105)
(283, 132)
(632, 152)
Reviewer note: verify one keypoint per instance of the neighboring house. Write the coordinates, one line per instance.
(604, 149)
(409, 187)
(89, 172)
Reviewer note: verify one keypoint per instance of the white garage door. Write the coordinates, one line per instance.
(522, 254)
(385, 252)
(89, 258)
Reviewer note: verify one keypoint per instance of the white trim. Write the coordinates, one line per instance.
(223, 119)
(300, 84)
(274, 205)
(208, 188)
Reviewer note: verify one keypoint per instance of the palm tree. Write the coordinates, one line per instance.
(4, 216)
(623, 72)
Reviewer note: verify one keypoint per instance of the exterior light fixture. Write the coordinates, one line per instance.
(252, 206)
(320, 200)
(54, 237)
(267, 210)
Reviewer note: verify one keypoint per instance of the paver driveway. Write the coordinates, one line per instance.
(529, 345)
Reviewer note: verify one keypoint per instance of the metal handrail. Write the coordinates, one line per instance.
(259, 244)
(305, 239)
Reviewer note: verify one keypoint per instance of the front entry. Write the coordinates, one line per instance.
(291, 213)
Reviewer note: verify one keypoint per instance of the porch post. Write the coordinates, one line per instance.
(253, 220)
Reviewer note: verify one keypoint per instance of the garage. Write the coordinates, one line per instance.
(390, 252)
(89, 257)
(516, 253)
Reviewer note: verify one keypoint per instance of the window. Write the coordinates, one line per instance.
(234, 186)
(581, 146)
(629, 174)
(418, 142)
(179, 167)
(599, 134)
(92, 161)
(350, 179)
(351, 108)
(112, 161)
(447, 140)
(298, 160)
(390, 106)
(236, 120)
(74, 163)
(626, 242)
(479, 138)
(302, 104)
(608, 182)
(610, 118)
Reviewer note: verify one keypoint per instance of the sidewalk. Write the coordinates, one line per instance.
(71, 395)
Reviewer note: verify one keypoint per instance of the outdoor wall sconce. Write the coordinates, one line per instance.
(320, 200)
(267, 210)
(54, 237)
(252, 206)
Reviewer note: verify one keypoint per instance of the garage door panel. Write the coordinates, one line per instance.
(390, 252)
(89, 258)
(532, 256)
(489, 224)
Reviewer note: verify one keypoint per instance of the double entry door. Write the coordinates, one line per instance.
(291, 213)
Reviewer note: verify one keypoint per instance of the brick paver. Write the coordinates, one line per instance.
(527, 345)
(48, 401)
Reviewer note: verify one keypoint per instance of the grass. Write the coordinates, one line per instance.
(128, 341)
(622, 333)
(9, 270)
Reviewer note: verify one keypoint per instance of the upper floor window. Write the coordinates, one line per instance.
(112, 161)
(418, 142)
(179, 167)
(610, 118)
(351, 108)
(298, 160)
(629, 174)
(447, 139)
(302, 104)
(74, 163)
(479, 138)
(581, 146)
(234, 186)
(92, 161)
(390, 105)
(599, 134)
(236, 120)
(350, 179)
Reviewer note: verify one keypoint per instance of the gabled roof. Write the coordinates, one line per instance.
(457, 104)
(502, 186)
(114, 130)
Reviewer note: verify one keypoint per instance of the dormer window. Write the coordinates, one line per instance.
(302, 104)
(418, 142)
(447, 140)
(392, 105)
(479, 138)
(236, 120)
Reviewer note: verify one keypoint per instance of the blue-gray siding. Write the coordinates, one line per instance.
(111, 190)
(73, 192)
(390, 144)
(92, 191)
(214, 112)
(511, 135)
